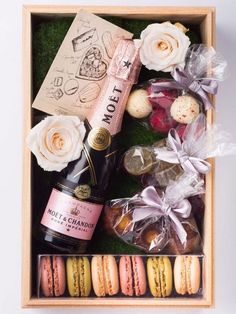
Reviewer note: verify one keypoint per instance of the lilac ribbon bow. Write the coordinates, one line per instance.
(184, 80)
(178, 155)
(158, 207)
(198, 86)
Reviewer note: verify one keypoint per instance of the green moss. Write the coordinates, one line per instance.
(46, 41)
(114, 20)
(136, 26)
(105, 244)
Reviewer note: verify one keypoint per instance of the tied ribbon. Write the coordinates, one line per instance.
(159, 207)
(178, 155)
(184, 80)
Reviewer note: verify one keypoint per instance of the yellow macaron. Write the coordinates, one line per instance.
(160, 278)
(78, 276)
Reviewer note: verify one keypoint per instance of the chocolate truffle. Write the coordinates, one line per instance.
(123, 223)
(193, 244)
(138, 105)
(185, 109)
(198, 208)
(165, 172)
(153, 237)
(110, 215)
(138, 160)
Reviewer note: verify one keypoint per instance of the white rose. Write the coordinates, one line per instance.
(56, 141)
(163, 46)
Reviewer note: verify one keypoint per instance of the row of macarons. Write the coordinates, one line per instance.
(107, 275)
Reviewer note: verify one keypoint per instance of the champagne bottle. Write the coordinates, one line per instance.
(77, 198)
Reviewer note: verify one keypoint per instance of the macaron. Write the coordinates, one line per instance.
(185, 109)
(187, 274)
(138, 105)
(132, 276)
(52, 276)
(160, 276)
(104, 275)
(78, 276)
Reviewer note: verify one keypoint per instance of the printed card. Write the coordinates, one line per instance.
(74, 80)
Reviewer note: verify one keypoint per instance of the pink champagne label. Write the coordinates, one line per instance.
(69, 216)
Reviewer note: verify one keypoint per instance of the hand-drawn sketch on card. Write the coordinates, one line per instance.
(58, 81)
(108, 43)
(71, 86)
(89, 92)
(83, 22)
(58, 94)
(93, 66)
(81, 62)
(85, 40)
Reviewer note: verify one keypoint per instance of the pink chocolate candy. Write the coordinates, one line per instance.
(161, 121)
(180, 129)
(163, 98)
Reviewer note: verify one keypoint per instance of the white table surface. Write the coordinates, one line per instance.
(11, 120)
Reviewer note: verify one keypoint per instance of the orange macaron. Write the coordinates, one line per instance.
(104, 275)
(187, 273)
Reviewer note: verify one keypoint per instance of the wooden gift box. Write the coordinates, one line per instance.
(204, 18)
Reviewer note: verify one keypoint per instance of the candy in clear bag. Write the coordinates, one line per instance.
(199, 142)
(162, 104)
(173, 156)
(157, 221)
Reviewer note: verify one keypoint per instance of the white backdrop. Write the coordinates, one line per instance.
(11, 120)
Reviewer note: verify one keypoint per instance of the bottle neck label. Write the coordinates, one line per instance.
(110, 107)
(70, 216)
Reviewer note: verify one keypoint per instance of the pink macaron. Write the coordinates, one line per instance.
(132, 276)
(52, 276)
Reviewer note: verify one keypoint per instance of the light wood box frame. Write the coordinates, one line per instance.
(205, 16)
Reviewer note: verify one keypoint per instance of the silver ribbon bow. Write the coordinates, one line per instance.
(178, 155)
(155, 206)
(200, 87)
(184, 80)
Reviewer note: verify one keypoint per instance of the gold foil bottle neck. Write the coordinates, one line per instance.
(99, 139)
